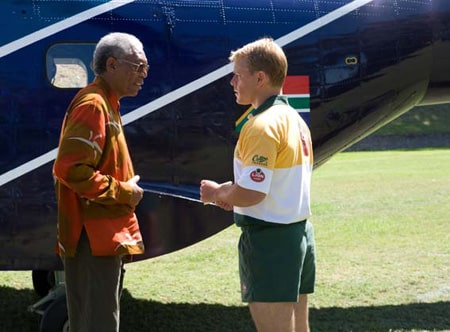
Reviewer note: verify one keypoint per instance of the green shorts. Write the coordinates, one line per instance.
(277, 262)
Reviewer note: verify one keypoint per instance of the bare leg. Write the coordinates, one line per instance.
(273, 316)
(301, 320)
(281, 316)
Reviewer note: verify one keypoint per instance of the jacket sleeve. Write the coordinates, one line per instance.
(80, 151)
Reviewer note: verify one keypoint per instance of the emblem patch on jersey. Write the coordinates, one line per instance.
(257, 175)
(259, 160)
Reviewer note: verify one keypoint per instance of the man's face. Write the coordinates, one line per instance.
(130, 75)
(244, 83)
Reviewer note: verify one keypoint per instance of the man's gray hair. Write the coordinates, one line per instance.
(117, 45)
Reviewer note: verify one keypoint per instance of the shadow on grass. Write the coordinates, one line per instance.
(404, 317)
(149, 316)
(144, 315)
(14, 314)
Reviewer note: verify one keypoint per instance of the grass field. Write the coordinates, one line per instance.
(422, 120)
(382, 232)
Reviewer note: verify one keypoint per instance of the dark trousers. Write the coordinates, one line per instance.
(93, 286)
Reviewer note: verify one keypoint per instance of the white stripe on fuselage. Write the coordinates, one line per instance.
(169, 97)
(62, 25)
(225, 70)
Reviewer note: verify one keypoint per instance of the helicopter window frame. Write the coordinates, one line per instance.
(68, 65)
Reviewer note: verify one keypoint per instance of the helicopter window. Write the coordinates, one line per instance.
(67, 65)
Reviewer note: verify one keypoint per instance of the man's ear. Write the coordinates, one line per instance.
(261, 77)
(110, 63)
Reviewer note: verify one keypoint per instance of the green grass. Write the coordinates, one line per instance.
(423, 120)
(382, 233)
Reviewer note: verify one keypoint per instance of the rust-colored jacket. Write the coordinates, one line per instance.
(91, 170)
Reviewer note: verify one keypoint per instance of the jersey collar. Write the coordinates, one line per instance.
(271, 101)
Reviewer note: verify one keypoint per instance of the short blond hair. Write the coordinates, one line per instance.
(264, 55)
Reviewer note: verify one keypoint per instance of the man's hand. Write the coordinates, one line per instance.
(208, 190)
(225, 206)
(137, 193)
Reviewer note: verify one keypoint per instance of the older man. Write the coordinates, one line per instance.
(96, 187)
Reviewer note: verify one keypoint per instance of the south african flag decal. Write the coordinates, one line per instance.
(296, 89)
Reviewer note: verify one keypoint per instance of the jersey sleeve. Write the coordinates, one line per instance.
(257, 156)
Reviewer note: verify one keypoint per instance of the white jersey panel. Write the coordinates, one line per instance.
(287, 201)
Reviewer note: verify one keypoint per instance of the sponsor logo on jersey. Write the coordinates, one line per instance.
(257, 175)
(259, 160)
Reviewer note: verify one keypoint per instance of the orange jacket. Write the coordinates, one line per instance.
(90, 171)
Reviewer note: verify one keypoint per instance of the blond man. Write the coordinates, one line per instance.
(270, 195)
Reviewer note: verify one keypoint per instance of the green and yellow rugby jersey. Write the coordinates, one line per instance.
(274, 155)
